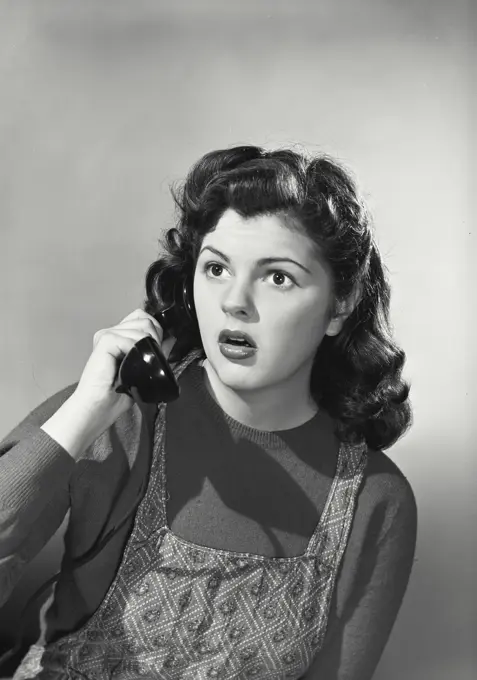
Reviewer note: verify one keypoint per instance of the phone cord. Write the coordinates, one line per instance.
(71, 565)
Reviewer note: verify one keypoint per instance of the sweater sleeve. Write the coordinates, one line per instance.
(362, 615)
(34, 491)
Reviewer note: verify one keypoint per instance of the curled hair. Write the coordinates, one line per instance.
(356, 375)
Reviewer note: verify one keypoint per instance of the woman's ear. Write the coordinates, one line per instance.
(341, 311)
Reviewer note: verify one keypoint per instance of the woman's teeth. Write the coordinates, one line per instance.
(234, 341)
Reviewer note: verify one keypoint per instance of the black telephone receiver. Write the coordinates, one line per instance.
(145, 374)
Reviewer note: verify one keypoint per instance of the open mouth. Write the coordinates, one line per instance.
(236, 339)
(238, 343)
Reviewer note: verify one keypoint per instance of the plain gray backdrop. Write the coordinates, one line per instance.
(104, 103)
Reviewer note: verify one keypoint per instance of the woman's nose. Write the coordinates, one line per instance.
(237, 300)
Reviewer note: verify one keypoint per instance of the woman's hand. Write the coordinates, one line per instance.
(96, 389)
(95, 405)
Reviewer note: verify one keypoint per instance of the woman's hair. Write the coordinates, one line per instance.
(356, 375)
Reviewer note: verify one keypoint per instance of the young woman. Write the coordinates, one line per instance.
(274, 538)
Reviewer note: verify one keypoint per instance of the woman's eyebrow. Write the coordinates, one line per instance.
(262, 261)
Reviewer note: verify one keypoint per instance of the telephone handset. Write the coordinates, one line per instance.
(144, 373)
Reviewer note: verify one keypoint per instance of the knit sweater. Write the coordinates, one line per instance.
(230, 487)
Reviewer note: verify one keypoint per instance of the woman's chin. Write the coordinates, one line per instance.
(235, 374)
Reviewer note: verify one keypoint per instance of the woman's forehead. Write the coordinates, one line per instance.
(267, 234)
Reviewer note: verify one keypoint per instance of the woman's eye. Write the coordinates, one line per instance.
(214, 270)
(282, 275)
(213, 265)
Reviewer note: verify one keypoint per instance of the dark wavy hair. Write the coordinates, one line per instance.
(356, 375)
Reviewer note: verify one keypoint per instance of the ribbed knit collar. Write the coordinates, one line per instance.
(264, 438)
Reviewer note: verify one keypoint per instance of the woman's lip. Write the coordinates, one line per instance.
(236, 351)
(226, 334)
(231, 344)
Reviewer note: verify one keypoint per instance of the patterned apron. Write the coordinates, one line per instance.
(180, 611)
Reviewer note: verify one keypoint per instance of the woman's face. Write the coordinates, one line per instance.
(283, 305)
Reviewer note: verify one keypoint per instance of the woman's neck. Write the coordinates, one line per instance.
(278, 410)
